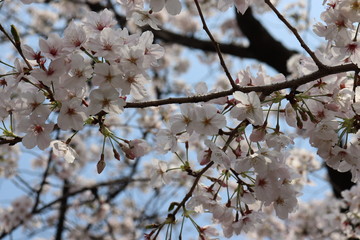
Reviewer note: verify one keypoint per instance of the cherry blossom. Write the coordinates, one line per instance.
(166, 141)
(143, 18)
(37, 132)
(74, 37)
(72, 115)
(97, 22)
(136, 148)
(208, 121)
(33, 103)
(221, 146)
(106, 44)
(248, 107)
(79, 72)
(106, 99)
(53, 47)
(185, 120)
(107, 75)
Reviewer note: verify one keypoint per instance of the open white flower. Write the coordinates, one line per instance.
(208, 121)
(106, 99)
(37, 132)
(248, 107)
(72, 115)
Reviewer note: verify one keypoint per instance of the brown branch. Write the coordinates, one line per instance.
(189, 41)
(11, 141)
(42, 184)
(190, 192)
(16, 43)
(339, 181)
(266, 89)
(73, 193)
(232, 135)
(216, 45)
(62, 211)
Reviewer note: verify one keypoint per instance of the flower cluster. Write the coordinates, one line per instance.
(56, 78)
(232, 151)
(19, 211)
(340, 30)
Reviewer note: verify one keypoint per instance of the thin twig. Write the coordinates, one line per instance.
(216, 45)
(233, 134)
(319, 64)
(73, 193)
(17, 45)
(43, 182)
(25, 183)
(44, 177)
(356, 82)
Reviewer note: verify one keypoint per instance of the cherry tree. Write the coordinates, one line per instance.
(103, 140)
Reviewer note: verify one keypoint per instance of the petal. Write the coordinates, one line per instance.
(29, 140)
(173, 7)
(157, 5)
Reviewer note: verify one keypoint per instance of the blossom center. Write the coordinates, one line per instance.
(79, 73)
(280, 201)
(207, 121)
(262, 182)
(38, 129)
(108, 77)
(77, 43)
(99, 26)
(71, 111)
(53, 51)
(105, 102)
(132, 60)
(352, 47)
(107, 47)
(131, 79)
(3, 82)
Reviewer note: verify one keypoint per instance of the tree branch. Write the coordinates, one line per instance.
(207, 46)
(43, 182)
(296, 34)
(232, 135)
(11, 141)
(73, 193)
(216, 45)
(62, 211)
(266, 89)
